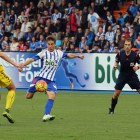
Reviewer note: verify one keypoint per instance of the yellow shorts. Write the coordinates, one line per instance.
(5, 80)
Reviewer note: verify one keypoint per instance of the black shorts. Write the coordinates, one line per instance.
(131, 80)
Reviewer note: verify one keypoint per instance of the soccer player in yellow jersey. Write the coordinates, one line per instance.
(6, 82)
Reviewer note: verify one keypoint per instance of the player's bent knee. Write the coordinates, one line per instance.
(29, 96)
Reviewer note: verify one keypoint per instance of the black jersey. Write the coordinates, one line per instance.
(127, 62)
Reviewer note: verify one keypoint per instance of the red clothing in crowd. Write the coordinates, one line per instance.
(21, 46)
(73, 22)
(126, 35)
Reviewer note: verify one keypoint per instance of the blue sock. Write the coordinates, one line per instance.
(49, 106)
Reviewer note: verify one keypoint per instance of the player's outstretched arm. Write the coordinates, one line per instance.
(8, 59)
(29, 61)
(70, 55)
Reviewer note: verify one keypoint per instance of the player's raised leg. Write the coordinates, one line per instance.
(29, 95)
(9, 101)
(49, 105)
(114, 101)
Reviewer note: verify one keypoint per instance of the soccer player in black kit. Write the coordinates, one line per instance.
(127, 59)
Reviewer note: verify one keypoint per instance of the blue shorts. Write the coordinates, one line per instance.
(51, 85)
(131, 80)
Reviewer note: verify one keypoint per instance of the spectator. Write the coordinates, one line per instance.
(58, 29)
(18, 34)
(129, 17)
(105, 24)
(32, 12)
(14, 44)
(100, 33)
(17, 24)
(21, 17)
(62, 7)
(121, 43)
(25, 25)
(35, 25)
(133, 8)
(22, 43)
(133, 34)
(46, 33)
(5, 43)
(42, 24)
(126, 32)
(85, 10)
(94, 7)
(96, 49)
(66, 44)
(4, 16)
(41, 8)
(74, 41)
(46, 16)
(59, 48)
(108, 6)
(26, 10)
(17, 8)
(3, 6)
(37, 33)
(70, 8)
(77, 50)
(33, 44)
(100, 4)
(52, 8)
(12, 17)
(7, 49)
(93, 21)
(25, 48)
(137, 42)
(137, 18)
(118, 35)
(77, 16)
(79, 34)
(50, 26)
(8, 29)
(111, 18)
(116, 49)
(83, 20)
(82, 44)
(89, 35)
(66, 13)
(67, 27)
(86, 48)
(8, 9)
(56, 15)
(40, 1)
(28, 35)
(72, 49)
(116, 26)
(18, 49)
(96, 41)
(78, 5)
(120, 18)
(110, 34)
(41, 44)
(103, 42)
(74, 24)
(112, 47)
(106, 49)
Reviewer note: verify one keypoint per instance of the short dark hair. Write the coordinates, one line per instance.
(129, 40)
(51, 38)
(120, 13)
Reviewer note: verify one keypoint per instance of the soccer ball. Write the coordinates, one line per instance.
(41, 86)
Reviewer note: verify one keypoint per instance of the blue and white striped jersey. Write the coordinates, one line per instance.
(49, 63)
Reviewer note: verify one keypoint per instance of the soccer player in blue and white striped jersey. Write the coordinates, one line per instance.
(49, 59)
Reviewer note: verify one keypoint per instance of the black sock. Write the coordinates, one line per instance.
(113, 103)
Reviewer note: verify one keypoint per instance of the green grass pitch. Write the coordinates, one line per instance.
(79, 116)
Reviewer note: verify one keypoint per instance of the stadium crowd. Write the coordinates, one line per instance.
(24, 25)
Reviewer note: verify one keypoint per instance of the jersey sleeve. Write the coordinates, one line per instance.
(117, 58)
(64, 55)
(38, 56)
(137, 58)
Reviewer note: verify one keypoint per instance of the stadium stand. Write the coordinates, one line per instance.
(31, 21)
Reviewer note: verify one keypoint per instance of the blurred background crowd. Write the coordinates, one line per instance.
(79, 25)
